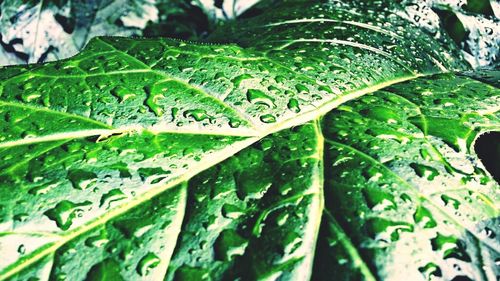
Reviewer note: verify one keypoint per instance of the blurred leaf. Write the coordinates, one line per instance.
(474, 25)
(38, 31)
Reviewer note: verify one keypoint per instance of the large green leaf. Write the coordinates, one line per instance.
(114, 158)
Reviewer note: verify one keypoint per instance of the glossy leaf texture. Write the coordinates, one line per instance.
(405, 195)
(158, 158)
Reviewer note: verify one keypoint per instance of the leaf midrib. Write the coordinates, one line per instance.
(123, 208)
(293, 121)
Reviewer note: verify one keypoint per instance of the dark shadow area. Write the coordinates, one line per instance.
(487, 147)
(479, 7)
(453, 26)
(181, 20)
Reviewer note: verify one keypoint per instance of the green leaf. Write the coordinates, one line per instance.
(404, 188)
(256, 215)
(145, 159)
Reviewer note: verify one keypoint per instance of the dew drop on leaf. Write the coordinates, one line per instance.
(228, 244)
(259, 97)
(293, 105)
(197, 114)
(97, 241)
(112, 196)
(21, 249)
(282, 219)
(448, 200)
(238, 79)
(268, 118)
(152, 101)
(122, 93)
(423, 217)
(234, 123)
(429, 270)
(424, 171)
(147, 263)
(81, 179)
(488, 232)
(231, 211)
(64, 213)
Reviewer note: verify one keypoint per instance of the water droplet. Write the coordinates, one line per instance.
(285, 189)
(301, 88)
(292, 242)
(21, 249)
(234, 123)
(424, 171)
(426, 154)
(81, 179)
(30, 96)
(429, 270)
(147, 263)
(64, 213)
(113, 195)
(152, 101)
(282, 218)
(231, 211)
(424, 217)
(488, 232)
(219, 75)
(258, 97)
(268, 118)
(21, 217)
(197, 114)
(379, 200)
(134, 227)
(153, 175)
(122, 93)
(372, 174)
(228, 244)
(293, 105)
(238, 79)
(97, 241)
(450, 201)
(42, 189)
(386, 230)
(450, 246)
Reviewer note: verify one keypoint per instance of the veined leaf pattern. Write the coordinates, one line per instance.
(145, 159)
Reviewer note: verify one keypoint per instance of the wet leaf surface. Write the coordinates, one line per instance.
(335, 152)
